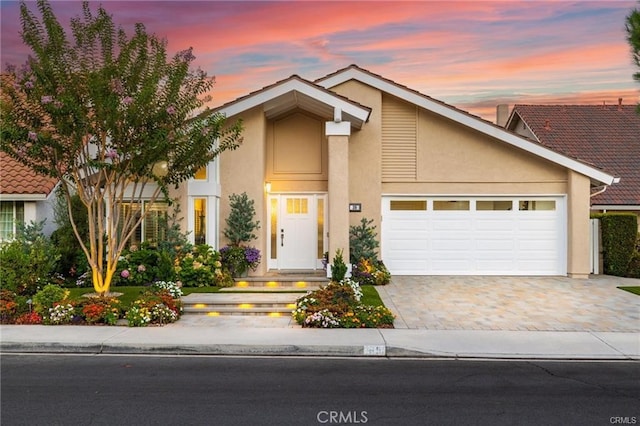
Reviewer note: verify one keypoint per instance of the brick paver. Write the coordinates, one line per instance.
(513, 303)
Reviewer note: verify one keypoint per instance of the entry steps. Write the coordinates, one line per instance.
(264, 296)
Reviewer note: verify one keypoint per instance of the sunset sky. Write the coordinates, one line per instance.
(472, 55)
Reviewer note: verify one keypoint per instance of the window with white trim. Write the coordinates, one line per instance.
(11, 216)
(153, 228)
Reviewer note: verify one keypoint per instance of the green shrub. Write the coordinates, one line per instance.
(619, 233)
(47, 298)
(362, 241)
(240, 223)
(28, 262)
(338, 267)
(634, 266)
(72, 262)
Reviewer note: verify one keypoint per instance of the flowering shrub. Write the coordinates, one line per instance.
(174, 289)
(322, 319)
(143, 266)
(338, 305)
(368, 272)
(8, 306)
(239, 259)
(138, 314)
(154, 307)
(202, 267)
(61, 314)
(101, 310)
(29, 318)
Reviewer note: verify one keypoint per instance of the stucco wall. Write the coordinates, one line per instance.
(243, 170)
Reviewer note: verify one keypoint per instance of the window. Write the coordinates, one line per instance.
(153, 227)
(537, 205)
(408, 204)
(497, 205)
(451, 205)
(200, 220)
(201, 174)
(297, 206)
(11, 215)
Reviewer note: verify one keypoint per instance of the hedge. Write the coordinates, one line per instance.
(619, 233)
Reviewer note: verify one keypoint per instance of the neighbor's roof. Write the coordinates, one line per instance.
(18, 181)
(605, 135)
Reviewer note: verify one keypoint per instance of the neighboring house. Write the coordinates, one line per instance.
(607, 136)
(449, 193)
(25, 197)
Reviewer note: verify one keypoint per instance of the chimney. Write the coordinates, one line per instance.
(619, 104)
(502, 114)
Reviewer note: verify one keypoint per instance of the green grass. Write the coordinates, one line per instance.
(370, 296)
(129, 294)
(634, 290)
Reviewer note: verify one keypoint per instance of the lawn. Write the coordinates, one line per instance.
(634, 290)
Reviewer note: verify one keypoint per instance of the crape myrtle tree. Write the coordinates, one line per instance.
(633, 36)
(112, 118)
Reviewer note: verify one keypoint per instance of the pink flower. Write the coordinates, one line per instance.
(46, 99)
(127, 100)
(141, 268)
(124, 273)
(111, 153)
(28, 84)
(171, 110)
(33, 136)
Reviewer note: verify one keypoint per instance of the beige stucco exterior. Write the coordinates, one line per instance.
(292, 151)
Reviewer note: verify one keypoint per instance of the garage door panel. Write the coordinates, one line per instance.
(492, 242)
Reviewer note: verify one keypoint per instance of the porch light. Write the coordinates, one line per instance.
(160, 169)
(267, 187)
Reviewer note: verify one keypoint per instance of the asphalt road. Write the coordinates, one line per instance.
(155, 390)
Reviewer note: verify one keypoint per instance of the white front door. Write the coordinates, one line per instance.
(297, 231)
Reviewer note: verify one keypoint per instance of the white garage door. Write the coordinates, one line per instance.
(474, 236)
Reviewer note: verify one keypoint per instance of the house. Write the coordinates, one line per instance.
(607, 136)
(25, 197)
(449, 193)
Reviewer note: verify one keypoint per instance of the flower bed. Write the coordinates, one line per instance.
(337, 305)
(159, 304)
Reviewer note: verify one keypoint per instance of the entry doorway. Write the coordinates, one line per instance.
(297, 230)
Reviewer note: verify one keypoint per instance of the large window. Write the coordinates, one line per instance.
(154, 226)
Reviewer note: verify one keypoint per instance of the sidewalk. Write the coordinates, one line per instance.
(241, 341)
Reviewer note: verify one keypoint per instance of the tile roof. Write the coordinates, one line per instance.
(607, 136)
(17, 179)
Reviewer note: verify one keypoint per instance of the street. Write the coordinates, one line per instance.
(202, 390)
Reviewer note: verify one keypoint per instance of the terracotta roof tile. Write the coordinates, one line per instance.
(16, 179)
(606, 136)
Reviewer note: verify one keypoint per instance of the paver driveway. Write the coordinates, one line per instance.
(513, 303)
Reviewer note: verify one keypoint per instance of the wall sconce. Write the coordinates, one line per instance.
(267, 187)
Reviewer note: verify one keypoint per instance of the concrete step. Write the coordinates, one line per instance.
(216, 304)
(280, 283)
